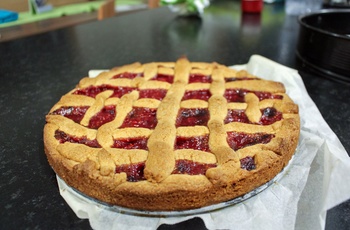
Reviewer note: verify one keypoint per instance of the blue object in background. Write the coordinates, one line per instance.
(7, 16)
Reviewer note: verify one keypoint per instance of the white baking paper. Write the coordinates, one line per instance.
(313, 183)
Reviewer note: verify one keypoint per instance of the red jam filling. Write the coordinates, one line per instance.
(191, 167)
(248, 163)
(131, 143)
(134, 172)
(237, 95)
(75, 113)
(141, 117)
(106, 114)
(92, 91)
(197, 143)
(192, 117)
(267, 95)
(64, 137)
(269, 116)
(236, 115)
(164, 77)
(237, 140)
(158, 94)
(127, 75)
(229, 79)
(199, 78)
(203, 94)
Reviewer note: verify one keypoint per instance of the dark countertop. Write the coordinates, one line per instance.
(35, 71)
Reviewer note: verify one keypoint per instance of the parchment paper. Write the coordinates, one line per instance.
(313, 183)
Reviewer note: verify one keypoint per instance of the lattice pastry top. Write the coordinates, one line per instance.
(172, 135)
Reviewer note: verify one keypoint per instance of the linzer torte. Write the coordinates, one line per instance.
(171, 135)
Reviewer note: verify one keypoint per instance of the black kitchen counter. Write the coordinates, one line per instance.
(36, 71)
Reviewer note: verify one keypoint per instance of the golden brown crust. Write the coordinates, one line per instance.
(92, 165)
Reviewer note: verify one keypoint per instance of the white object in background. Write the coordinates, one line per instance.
(298, 7)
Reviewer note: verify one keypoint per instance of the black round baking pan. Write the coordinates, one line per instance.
(324, 43)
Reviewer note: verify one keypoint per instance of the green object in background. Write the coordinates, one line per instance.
(186, 7)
